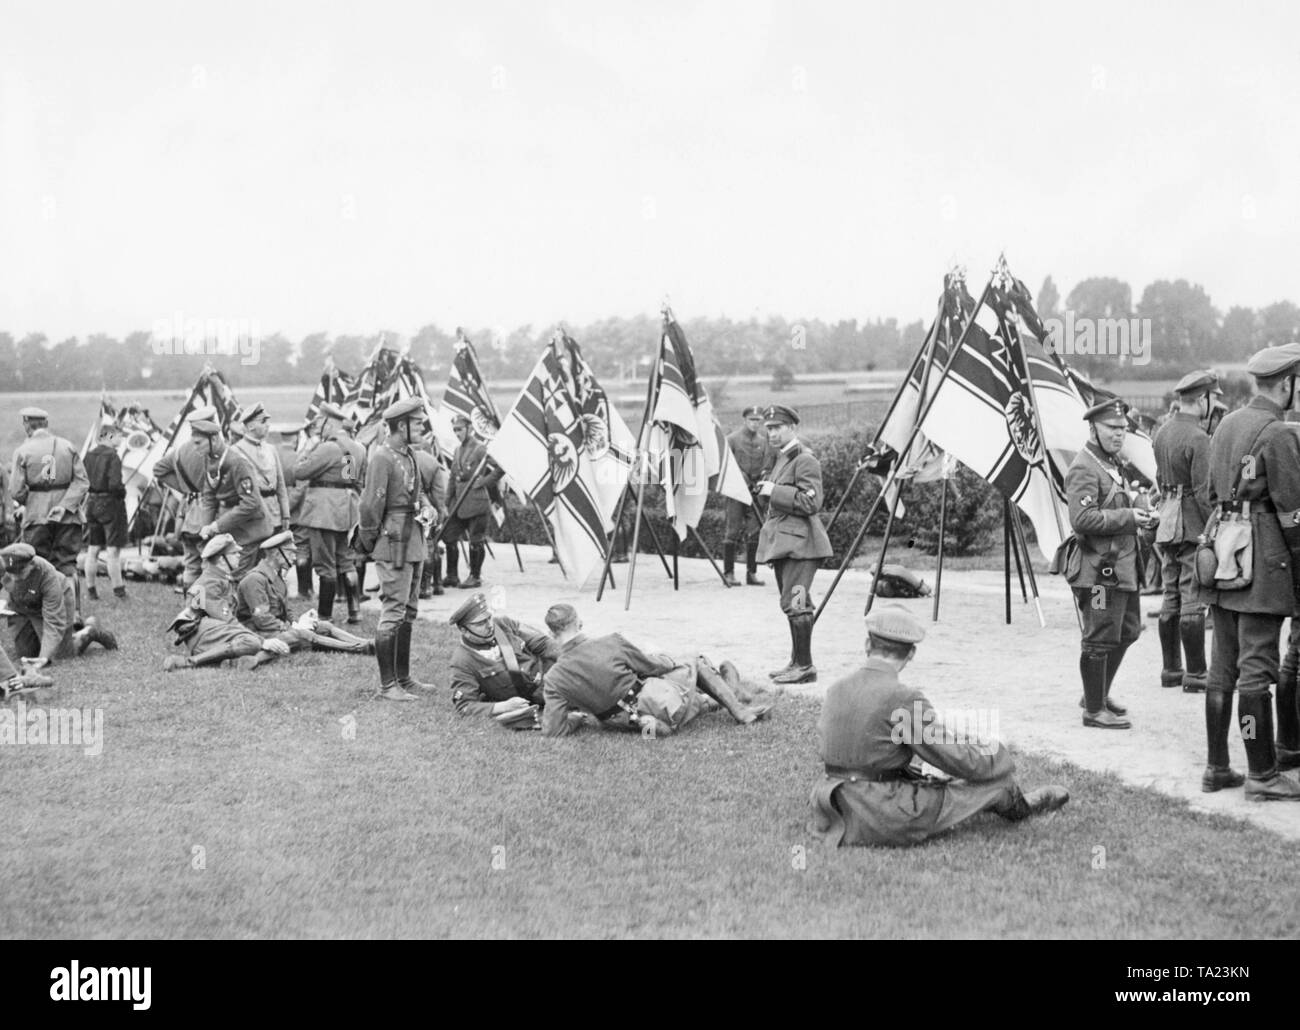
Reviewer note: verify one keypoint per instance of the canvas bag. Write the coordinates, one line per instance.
(1170, 530)
(1229, 540)
(1068, 560)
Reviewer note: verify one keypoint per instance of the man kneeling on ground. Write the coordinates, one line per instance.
(611, 680)
(872, 793)
(43, 611)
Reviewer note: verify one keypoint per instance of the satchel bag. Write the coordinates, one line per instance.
(1225, 552)
(1068, 559)
(1170, 529)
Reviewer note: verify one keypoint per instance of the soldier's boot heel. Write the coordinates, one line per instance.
(752, 577)
(1265, 782)
(328, 591)
(402, 660)
(1171, 650)
(1288, 719)
(1191, 628)
(729, 565)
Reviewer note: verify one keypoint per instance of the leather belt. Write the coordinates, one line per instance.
(838, 772)
(623, 704)
(1176, 491)
(332, 484)
(106, 493)
(41, 488)
(1261, 505)
(267, 493)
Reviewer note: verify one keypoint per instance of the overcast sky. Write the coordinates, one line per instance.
(352, 167)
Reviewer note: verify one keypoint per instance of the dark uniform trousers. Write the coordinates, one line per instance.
(1112, 618)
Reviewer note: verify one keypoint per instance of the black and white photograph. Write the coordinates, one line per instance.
(651, 471)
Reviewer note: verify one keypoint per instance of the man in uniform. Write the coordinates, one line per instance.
(49, 481)
(873, 732)
(1255, 459)
(471, 477)
(105, 512)
(755, 457)
(207, 625)
(183, 469)
(793, 540)
(262, 606)
(613, 682)
(297, 490)
(497, 668)
(1182, 449)
(1105, 585)
(230, 498)
(40, 597)
(265, 460)
(6, 512)
(432, 471)
(393, 517)
(333, 467)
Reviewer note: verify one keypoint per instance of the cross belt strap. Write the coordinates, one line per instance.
(838, 772)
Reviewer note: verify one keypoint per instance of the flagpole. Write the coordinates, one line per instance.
(546, 527)
(916, 430)
(1006, 552)
(652, 396)
(451, 512)
(1019, 528)
(1015, 550)
(943, 522)
(884, 546)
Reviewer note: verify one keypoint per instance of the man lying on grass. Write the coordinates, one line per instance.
(874, 733)
(612, 681)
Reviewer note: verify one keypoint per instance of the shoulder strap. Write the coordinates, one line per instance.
(1114, 486)
(1241, 465)
(507, 649)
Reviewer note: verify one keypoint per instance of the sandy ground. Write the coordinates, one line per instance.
(1026, 675)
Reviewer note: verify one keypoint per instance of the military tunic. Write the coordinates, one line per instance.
(333, 470)
(480, 677)
(470, 517)
(184, 469)
(1182, 450)
(230, 499)
(793, 540)
(271, 485)
(48, 473)
(755, 456)
(44, 606)
(593, 675)
(389, 532)
(872, 727)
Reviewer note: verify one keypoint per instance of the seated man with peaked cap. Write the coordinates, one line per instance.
(614, 681)
(497, 668)
(41, 599)
(874, 729)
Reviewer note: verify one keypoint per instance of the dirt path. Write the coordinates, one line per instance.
(971, 659)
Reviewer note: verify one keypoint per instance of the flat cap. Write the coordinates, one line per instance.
(187, 614)
(475, 607)
(779, 414)
(204, 427)
(1111, 407)
(34, 413)
(17, 555)
(752, 410)
(403, 409)
(207, 413)
(328, 410)
(896, 623)
(252, 413)
(1273, 361)
(222, 543)
(279, 540)
(460, 419)
(1200, 381)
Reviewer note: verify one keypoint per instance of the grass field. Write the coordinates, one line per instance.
(232, 805)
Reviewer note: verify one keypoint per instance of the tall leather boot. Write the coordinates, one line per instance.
(435, 567)
(1218, 718)
(1264, 783)
(729, 565)
(1288, 718)
(325, 607)
(1092, 669)
(477, 552)
(1192, 630)
(402, 666)
(1171, 650)
(791, 663)
(212, 656)
(709, 681)
(751, 565)
(304, 580)
(453, 566)
(1113, 661)
(385, 655)
(352, 595)
(803, 671)
(426, 587)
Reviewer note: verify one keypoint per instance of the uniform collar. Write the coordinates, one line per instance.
(1262, 403)
(1095, 450)
(789, 449)
(38, 433)
(569, 645)
(1187, 416)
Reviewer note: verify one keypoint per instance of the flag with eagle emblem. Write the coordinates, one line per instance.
(139, 448)
(466, 394)
(686, 444)
(569, 451)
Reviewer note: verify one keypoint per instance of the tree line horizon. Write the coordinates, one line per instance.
(1186, 331)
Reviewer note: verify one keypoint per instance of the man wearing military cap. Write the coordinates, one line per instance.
(1255, 468)
(435, 476)
(48, 481)
(611, 681)
(1105, 581)
(755, 457)
(41, 599)
(264, 459)
(875, 731)
(497, 667)
(333, 467)
(261, 605)
(297, 491)
(394, 511)
(230, 498)
(793, 540)
(469, 482)
(184, 470)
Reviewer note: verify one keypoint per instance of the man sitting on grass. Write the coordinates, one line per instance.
(874, 732)
(497, 668)
(611, 680)
(42, 611)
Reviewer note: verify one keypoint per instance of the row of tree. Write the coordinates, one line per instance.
(1186, 330)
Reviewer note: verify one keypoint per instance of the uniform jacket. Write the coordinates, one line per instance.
(593, 675)
(231, 499)
(1183, 460)
(389, 502)
(44, 598)
(792, 528)
(1274, 488)
(463, 466)
(271, 486)
(872, 723)
(333, 470)
(479, 678)
(183, 469)
(1106, 529)
(262, 601)
(296, 488)
(435, 477)
(754, 454)
(47, 473)
(6, 512)
(213, 594)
